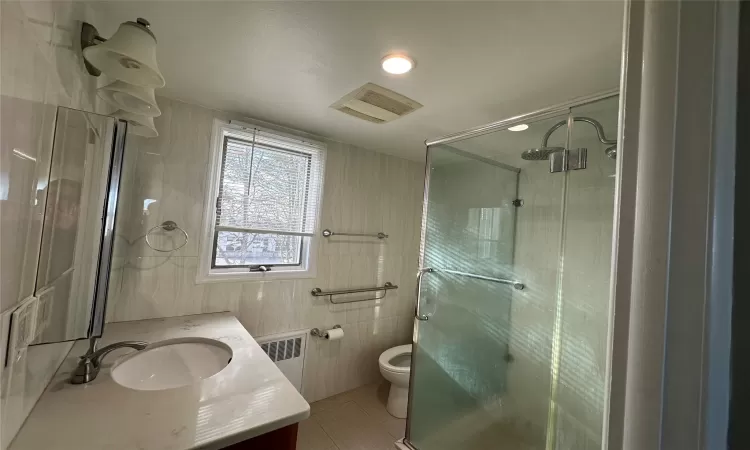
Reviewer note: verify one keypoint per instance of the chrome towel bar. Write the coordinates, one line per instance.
(517, 285)
(317, 292)
(379, 234)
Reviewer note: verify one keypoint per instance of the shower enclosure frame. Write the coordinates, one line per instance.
(541, 114)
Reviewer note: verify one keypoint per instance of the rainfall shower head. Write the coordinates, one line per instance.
(538, 154)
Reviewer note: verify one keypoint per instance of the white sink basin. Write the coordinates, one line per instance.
(171, 363)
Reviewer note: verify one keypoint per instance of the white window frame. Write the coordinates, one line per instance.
(207, 274)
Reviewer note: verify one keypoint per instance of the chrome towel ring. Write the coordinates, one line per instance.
(168, 225)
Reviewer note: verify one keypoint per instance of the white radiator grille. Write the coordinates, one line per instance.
(288, 352)
(283, 350)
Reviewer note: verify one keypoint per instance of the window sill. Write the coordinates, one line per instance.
(239, 277)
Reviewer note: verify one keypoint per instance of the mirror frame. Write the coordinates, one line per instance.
(99, 305)
(108, 208)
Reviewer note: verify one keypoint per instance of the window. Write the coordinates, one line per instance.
(484, 226)
(262, 204)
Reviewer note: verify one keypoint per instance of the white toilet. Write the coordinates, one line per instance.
(395, 364)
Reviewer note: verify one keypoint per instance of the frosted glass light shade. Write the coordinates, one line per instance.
(129, 55)
(131, 98)
(137, 124)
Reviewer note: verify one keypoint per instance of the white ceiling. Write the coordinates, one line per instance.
(286, 62)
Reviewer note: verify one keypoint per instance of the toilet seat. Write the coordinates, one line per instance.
(387, 356)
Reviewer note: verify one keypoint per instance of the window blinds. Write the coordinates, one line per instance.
(269, 184)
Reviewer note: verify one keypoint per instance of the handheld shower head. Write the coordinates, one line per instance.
(539, 154)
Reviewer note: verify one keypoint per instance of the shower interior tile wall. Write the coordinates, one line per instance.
(364, 191)
(584, 285)
(583, 290)
(39, 70)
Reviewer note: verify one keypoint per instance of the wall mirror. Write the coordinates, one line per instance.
(77, 232)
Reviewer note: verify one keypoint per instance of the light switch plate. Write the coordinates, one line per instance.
(44, 310)
(22, 328)
(21, 332)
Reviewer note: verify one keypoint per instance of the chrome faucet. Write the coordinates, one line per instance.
(91, 362)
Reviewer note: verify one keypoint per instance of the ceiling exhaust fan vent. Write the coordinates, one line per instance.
(376, 104)
(352, 112)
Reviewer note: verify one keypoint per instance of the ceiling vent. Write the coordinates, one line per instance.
(376, 104)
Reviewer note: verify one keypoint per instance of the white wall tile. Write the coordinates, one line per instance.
(39, 70)
(582, 289)
(364, 192)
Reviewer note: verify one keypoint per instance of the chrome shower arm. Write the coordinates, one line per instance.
(593, 122)
(550, 131)
(599, 129)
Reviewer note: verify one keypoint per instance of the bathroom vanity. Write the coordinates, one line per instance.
(248, 404)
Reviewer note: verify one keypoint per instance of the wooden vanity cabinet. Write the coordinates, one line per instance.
(281, 439)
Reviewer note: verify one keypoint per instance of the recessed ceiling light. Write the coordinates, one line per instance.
(520, 127)
(397, 64)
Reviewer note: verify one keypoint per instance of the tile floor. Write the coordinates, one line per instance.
(353, 420)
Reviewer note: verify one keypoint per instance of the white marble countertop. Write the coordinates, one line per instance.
(248, 398)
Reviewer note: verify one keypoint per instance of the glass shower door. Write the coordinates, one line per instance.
(461, 353)
(511, 336)
(482, 358)
(579, 364)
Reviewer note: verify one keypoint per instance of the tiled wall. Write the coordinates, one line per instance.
(39, 70)
(585, 312)
(582, 233)
(364, 192)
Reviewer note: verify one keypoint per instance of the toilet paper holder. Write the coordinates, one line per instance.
(321, 334)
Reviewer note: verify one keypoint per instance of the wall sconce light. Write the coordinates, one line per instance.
(129, 55)
(138, 124)
(131, 98)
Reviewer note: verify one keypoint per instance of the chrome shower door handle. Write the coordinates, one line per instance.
(417, 312)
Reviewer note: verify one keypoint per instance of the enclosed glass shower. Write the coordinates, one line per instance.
(513, 312)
